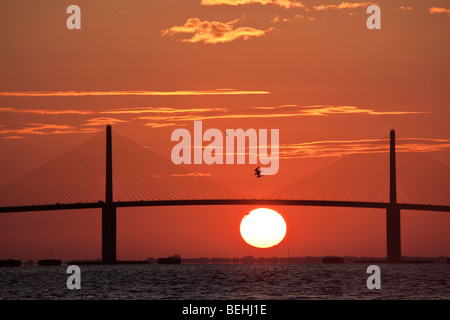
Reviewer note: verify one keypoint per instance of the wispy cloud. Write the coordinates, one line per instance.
(404, 8)
(296, 18)
(191, 174)
(160, 125)
(213, 32)
(159, 117)
(288, 4)
(270, 112)
(299, 17)
(129, 93)
(437, 10)
(284, 106)
(160, 110)
(337, 148)
(343, 6)
(118, 111)
(103, 121)
(43, 129)
(321, 110)
(45, 111)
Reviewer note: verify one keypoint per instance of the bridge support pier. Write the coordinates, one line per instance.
(109, 234)
(393, 235)
(109, 209)
(393, 211)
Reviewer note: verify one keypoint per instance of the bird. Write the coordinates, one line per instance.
(258, 173)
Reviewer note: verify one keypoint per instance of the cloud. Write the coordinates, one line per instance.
(159, 117)
(128, 93)
(299, 17)
(327, 110)
(436, 10)
(213, 32)
(165, 110)
(296, 18)
(45, 111)
(275, 19)
(284, 111)
(44, 129)
(160, 125)
(103, 121)
(343, 6)
(119, 111)
(284, 106)
(337, 148)
(287, 4)
(191, 174)
(403, 8)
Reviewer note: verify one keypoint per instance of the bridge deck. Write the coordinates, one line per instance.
(212, 202)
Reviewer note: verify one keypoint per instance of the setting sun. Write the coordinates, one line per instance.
(263, 228)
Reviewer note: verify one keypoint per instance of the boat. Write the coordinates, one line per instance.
(176, 259)
(10, 263)
(49, 262)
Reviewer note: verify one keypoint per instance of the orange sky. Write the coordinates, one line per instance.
(309, 68)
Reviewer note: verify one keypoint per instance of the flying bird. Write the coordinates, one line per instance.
(258, 173)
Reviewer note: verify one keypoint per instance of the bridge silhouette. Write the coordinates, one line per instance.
(67, 181)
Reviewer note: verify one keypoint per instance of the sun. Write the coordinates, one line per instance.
(263, 228)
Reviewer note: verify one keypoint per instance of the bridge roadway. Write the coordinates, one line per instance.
(214, 202)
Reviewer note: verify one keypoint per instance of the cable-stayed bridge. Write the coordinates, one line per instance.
(82, 179)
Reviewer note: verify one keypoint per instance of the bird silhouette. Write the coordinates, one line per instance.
(258, 173)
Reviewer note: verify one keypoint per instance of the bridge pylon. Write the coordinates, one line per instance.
(109, 222)
(393, 235)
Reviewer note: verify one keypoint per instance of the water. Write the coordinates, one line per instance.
(228, 282)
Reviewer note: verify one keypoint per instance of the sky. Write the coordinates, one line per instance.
(311, 69)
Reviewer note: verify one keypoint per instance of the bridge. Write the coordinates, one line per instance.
(151, 180)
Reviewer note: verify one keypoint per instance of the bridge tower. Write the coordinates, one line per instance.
(109, 209)
(393, 239)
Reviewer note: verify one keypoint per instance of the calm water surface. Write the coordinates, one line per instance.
(228, 281)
